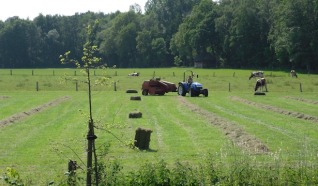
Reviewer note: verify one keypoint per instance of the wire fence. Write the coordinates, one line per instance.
(120, 80)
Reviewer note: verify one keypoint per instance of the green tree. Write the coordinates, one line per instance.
(159, 51)
(18, 44)
(88, 61)
(119, 40)
(168, 15)
(51, 43)
(196, 38)
(294, 34)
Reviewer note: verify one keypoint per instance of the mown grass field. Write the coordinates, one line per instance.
(229, 124)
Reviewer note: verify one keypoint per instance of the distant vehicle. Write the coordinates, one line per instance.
(157, 87)
(193, 88)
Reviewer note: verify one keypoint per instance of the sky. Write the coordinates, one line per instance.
(32, 8)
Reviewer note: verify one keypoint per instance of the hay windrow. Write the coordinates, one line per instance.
(276, 110)
(22, 115)
(303, 100)
(236, 134)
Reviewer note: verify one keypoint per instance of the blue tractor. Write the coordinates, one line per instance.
(193, 88)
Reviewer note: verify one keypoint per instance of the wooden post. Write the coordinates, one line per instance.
(76, 86)
(229, 87)
(53, 73)
(75, 73)
(115, 73)
(115, 88)
(173, 74)
(94, 72)
(300, 88)
(32, 72)
(234, 74)
(154, 74)
(37, 86)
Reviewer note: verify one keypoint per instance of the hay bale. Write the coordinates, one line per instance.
(142, 138)
(135, 115)
(131, 91)
(259, 94)
(138, 98)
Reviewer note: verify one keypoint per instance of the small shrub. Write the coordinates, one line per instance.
(12, 177)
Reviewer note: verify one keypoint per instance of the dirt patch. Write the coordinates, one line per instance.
(4, 97)
(19, 116)
(234, 132)
(276, 110)
(303, 100)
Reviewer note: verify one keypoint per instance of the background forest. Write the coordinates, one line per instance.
(271, 34)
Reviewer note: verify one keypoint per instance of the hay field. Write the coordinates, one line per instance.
(43, 119)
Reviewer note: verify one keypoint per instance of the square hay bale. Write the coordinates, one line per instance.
(136, 98)
(135, 115)
(259, 94)
(131, 91)
(142, 138)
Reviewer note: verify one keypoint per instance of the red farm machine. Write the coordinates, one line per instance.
(157, 87)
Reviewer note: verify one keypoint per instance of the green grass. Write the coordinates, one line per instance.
(40, 145)
(213, 79)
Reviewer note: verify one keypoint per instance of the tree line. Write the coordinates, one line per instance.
(275, 34)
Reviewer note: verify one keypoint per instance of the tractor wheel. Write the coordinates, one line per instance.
(205, 92)
(145, 92)
(191, 93)
(181, 90)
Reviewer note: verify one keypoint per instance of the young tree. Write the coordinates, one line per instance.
(89, 60)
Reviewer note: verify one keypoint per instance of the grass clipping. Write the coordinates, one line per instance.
(236, 134)
(20, 116)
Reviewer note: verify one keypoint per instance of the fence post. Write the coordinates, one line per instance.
(115, 88)
(115, 73)
(234, 74)
(75, 73)
(173, 74)
(53, 73)
(32, 72)
(229, 87)
(76, 86)
(300, 88)
(37, 86)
